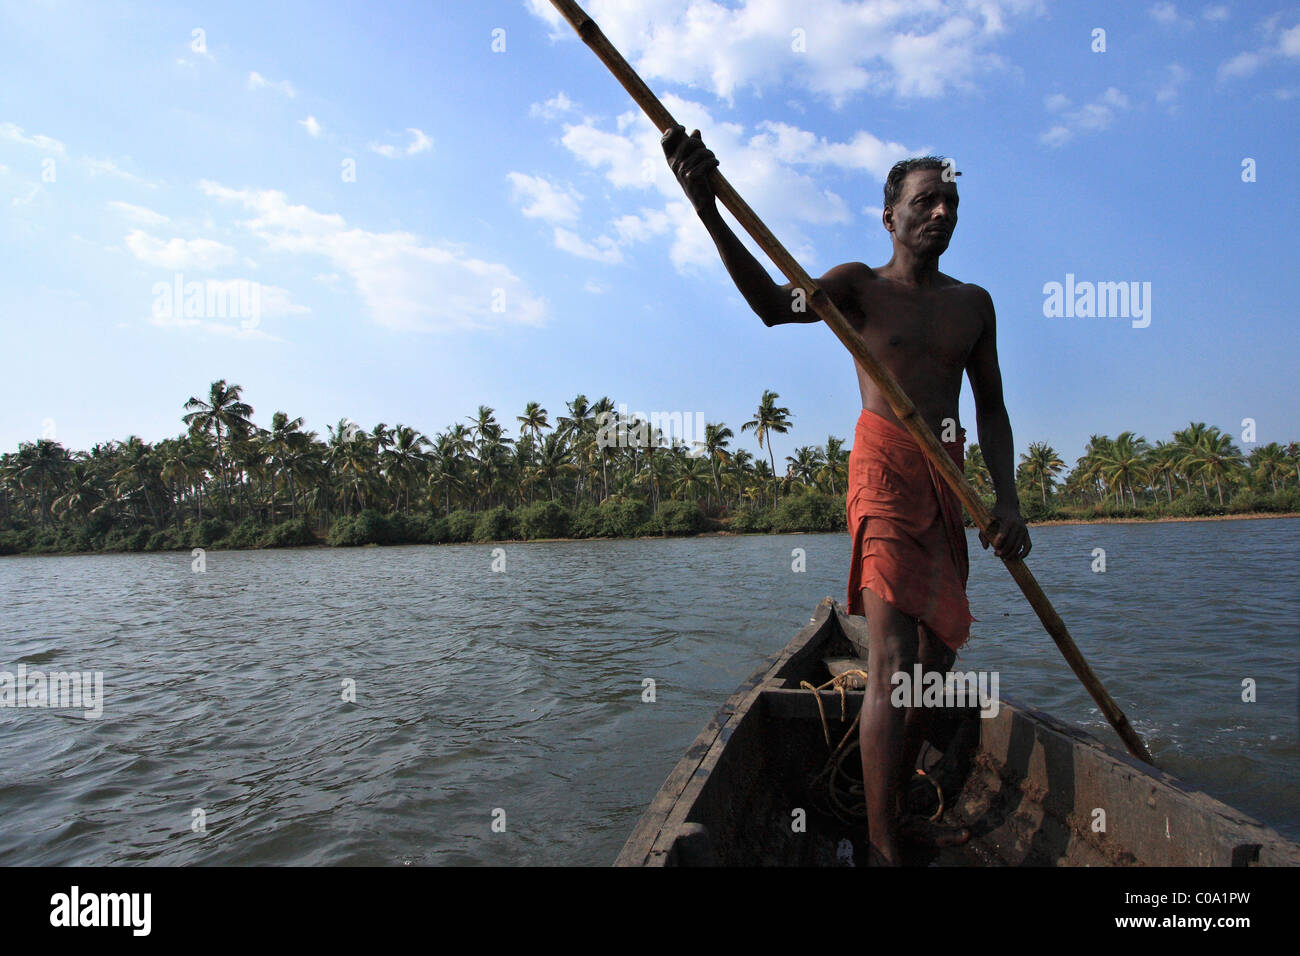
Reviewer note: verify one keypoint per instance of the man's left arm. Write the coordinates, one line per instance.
(1012, 538)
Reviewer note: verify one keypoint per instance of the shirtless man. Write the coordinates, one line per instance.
(926, 328)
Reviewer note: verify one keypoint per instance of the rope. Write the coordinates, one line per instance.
(855, 811)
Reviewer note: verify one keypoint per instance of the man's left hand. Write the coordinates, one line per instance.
(1011, 536)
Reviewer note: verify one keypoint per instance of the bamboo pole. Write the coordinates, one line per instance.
(907, 414)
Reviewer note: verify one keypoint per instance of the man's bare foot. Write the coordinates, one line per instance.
(922, 832)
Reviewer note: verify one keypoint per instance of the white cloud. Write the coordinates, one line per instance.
(1167, 15)
(1289, 44)
(1216, 13)
(1175, 77)
(106, 166)
(556, 106)
(594, 287)
(256, 81)
(311, 126)
(1056, 102)
(544, 200)
(1089, 118)
(832, 48)
(138, 214)
(15, 134)
(603, 249)
(1241, 65)
(1284, 43)
(766, 165)
(419, 143)
(405, 282)
(179, 254)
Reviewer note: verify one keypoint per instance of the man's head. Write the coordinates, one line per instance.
(921, 203)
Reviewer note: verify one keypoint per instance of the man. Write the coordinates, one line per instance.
(909, 568)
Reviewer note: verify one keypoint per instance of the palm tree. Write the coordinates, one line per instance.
(404, 460)
(716, 438)
(533, 420)
(1268, 461)
(284, 445)
(1217, 458)
(1042, 464)
(82, 493)
(689, 477)
(44, 464)
(804, 464)
(836, 463)
(769, 418)
(1122, 463)
(1190, 442)
(222, 414)
(977, 472)
(139, 471)
(1162, 462)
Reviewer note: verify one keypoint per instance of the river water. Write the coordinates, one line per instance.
(386, 706)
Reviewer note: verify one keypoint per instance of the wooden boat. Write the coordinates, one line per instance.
(1027, 785)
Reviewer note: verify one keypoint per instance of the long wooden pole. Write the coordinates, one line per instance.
(907, 414)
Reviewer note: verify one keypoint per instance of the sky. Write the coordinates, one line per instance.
(417, 208)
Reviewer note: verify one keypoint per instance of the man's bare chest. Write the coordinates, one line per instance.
(931, 327)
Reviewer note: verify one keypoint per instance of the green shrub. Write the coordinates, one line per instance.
(288, 534)
(165, 540)
(750, 519)
(437, 530)
(460, 525)
(586, 522)
(496, 524)
(15, 540)
(622, 519)
(368, 527)
(544, 519)
(407, 529)
(121, 539)
(680, 518)
(1188, 506)
(1245, 502)
(812, 511)
(1033, 509)
(207, 532)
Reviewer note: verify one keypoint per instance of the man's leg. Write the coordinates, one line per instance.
(893, 641)
(934, 655)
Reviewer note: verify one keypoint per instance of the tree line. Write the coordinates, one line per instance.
(589, 471)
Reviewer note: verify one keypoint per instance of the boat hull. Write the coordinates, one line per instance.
(1028, 786)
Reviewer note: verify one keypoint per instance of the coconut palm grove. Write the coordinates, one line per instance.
(589, 471)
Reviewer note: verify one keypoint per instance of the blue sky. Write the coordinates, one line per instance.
(432, 224)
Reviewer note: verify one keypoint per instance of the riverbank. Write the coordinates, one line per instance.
(321, 542)
(1164, 519)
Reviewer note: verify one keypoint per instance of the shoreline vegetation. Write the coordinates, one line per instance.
(228, 484)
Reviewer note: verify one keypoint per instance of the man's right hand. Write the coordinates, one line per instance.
(691, 162)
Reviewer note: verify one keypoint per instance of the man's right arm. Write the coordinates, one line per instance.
(775, 304)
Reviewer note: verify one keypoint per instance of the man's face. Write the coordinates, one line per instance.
(925, 215)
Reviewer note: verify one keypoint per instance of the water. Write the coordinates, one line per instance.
(517, 696)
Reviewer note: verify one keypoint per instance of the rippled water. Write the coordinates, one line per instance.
(481, 692)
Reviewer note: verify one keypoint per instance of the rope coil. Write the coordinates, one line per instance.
(855, 809)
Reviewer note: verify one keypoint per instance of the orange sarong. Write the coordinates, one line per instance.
(909, 544)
